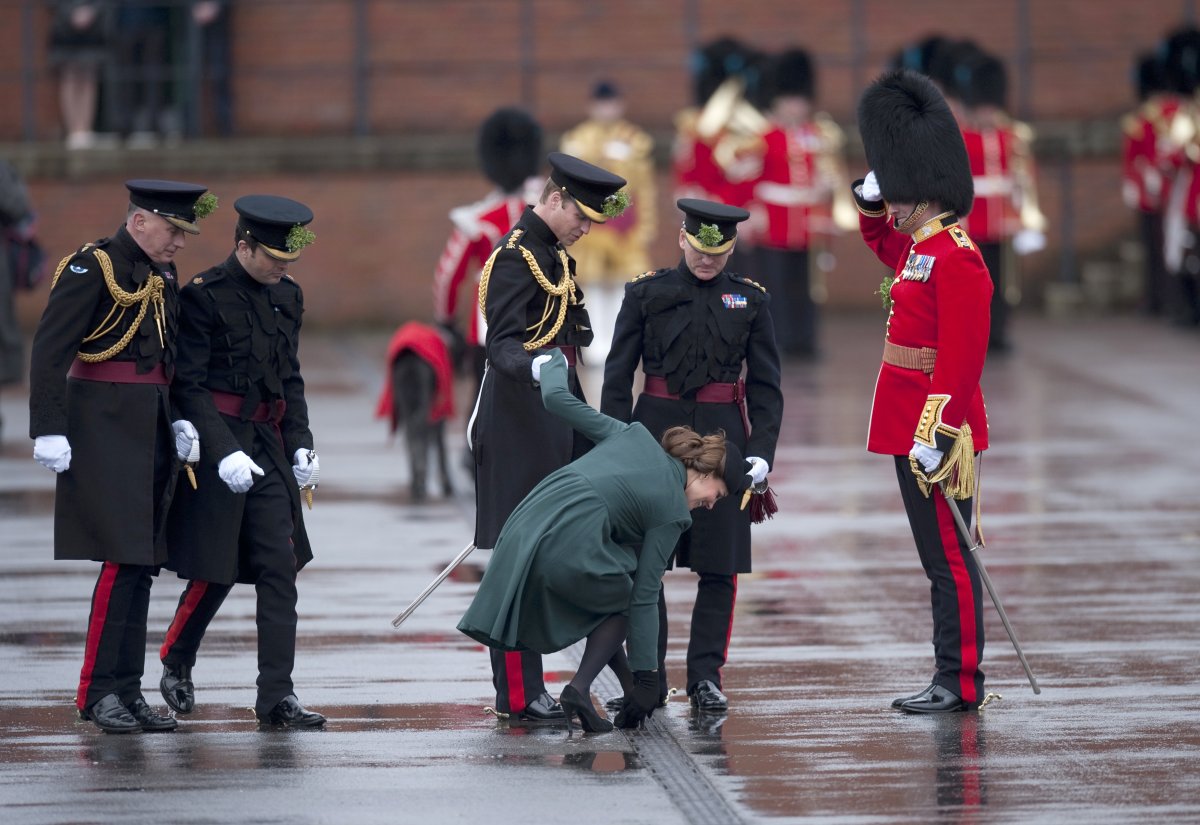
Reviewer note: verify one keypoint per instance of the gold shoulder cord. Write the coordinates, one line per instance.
(564, 290)
(150, 291)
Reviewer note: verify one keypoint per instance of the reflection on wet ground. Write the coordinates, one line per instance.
(1093, 535)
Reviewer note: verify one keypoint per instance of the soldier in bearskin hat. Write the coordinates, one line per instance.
(928, 408)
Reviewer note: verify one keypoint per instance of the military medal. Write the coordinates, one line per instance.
(917, 267)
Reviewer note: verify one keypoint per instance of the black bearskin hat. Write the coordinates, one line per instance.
(790, 73)
(1150, 76)
(720, 60)
(913, 143)
(510, 147)
(1181, 60)
(918, 56)
(985, 82)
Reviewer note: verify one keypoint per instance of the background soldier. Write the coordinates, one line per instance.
(510, 149)
(692, 328)
(529, 300)
(794, 199)
(239, 380)
(614, 252)
(928, 408)
(103, 357)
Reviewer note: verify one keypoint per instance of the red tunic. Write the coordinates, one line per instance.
(796, 200)
(994, 216)
(1145, 167)
(949, 311)
(478, 227)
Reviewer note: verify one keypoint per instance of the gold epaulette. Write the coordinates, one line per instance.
(1131, 124)
(961, 237)
(643, 276)
(743, 279)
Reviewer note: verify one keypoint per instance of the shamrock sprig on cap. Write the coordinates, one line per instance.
(205, 205)
(298, 238)
(615, 204)
(710, 235)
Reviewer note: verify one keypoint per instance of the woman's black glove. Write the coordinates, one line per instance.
(639, 703)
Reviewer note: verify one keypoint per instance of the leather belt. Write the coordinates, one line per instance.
(266, 412)
(910, 358)
(715, 393)
(117, 372)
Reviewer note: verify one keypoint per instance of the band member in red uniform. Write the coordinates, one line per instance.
(928, 408)
(1144, 181)
(510, 149)
(100, 414)
(529, 299)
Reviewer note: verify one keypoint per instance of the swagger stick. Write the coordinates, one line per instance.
(466, 551)
(987, 582)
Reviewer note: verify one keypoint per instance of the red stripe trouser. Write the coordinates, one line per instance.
(114, 654)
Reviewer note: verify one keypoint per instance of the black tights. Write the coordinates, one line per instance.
(604, 647)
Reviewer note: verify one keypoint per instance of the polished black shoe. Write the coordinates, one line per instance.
(111, 716)
(289, 713)
(150, 721)
(177, 689)
(542, 709)
(706, 696)
(574, 704)
(937, 700)
(900, 700)
(615, 704)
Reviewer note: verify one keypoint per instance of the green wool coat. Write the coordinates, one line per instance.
(568, 556)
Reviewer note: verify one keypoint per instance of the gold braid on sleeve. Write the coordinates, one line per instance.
(151, 291)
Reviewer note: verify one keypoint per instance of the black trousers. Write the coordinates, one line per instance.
(115, 648)
(785, 274)
(993, 259)
(1156, 293)
(266, 558)
(712, 625)
(518, 678)
(955, 588)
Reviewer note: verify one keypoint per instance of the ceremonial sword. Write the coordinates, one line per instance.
(466, 551)
(987, 582)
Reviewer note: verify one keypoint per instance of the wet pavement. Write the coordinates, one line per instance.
(1090, 509)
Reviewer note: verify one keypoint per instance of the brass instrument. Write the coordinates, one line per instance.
(734, 129)
(1030, 214)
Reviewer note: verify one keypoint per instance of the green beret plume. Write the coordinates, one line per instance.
(709, 235)
(298, 238)
(615, 204)
(205, 205)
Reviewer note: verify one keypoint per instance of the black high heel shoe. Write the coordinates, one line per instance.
(575, 705)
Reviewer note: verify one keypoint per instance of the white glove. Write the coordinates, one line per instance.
(238, 471)
(187, 440)
(1027, 241)
(53, 452)
(537, 366)
(758, 469)
(928, 457)
(306, 467)
(870, 188)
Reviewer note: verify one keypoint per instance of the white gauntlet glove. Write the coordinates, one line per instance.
(53, 452)
(758, 469)
(928, 457)
(238, 471)
(537, 366)
(187, 440)
(306, 467)
(870, 188)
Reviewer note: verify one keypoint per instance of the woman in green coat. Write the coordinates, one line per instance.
(567, 565)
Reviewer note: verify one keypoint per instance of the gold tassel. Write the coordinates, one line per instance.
(957, 469)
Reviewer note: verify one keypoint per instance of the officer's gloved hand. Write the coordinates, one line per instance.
(639, 703)
(186, 439)
(928, 457)
(237, 470)
(758, 469)
(53, 452)
(537, 366)
(306, 467)
(870, 188)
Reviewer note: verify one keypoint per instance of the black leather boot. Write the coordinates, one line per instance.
(177, 689)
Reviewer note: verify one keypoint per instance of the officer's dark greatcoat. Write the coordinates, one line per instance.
(516, 442)
(239, 337)
(120, 433)
(692, 333)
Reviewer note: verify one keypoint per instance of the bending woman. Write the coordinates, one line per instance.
(567, 564)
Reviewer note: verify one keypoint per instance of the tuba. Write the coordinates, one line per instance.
(734, 129)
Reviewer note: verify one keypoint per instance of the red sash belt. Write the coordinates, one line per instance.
(568, 350)
(266, 412)
(117, 372)
(714, 393)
